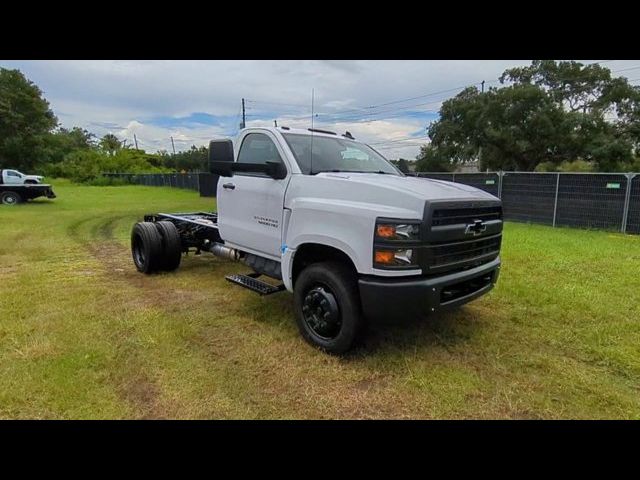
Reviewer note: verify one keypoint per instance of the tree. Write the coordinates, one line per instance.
(25, 121)
(431, 159)
(192, 160)
(402, 164)
(110, 144)
(550, 112)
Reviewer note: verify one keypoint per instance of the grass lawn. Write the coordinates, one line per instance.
(83, 335)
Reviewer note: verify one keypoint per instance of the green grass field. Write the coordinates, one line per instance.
(83, 335)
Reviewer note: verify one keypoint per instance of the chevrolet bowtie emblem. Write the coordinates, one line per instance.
(475, 228)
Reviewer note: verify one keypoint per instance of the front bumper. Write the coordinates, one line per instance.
(384, 298)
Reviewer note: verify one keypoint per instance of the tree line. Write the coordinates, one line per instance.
(549, 116)
(32, 140)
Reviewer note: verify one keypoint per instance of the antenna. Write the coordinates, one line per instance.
(311, 159)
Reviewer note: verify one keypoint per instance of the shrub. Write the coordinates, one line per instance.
(87, 166)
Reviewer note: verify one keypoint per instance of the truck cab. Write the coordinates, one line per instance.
(347, 233)
(14, 177)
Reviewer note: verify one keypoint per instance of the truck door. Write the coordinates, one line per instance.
(251, 205)
(11, 176)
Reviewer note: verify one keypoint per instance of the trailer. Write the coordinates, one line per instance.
(12, 194)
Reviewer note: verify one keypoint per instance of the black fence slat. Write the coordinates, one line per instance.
(436, 176)
(591, 201)
(190, 181)
(489, 182)
(582, 200)
(529, 197)
(633, 216)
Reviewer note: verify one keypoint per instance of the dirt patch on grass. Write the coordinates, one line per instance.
(143, 395)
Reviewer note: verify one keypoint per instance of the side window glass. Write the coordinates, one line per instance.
(258, 148)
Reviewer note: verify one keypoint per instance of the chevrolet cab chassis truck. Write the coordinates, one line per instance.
(337, 225)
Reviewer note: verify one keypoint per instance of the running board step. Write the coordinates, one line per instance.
(252, 283)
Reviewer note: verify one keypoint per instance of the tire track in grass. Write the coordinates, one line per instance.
(136, 388)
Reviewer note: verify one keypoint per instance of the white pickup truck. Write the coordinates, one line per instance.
(14, 177)
(16, 187)
(339, 226)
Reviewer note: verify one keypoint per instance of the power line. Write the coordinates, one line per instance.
(278, 103)
(404, 139)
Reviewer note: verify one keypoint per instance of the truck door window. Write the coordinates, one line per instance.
(13, 174)
(258, 148)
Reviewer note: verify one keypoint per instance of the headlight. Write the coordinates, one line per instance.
(388, 248)
(397, 257)
(398, 231)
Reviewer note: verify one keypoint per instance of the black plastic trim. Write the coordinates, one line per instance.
(393, 297)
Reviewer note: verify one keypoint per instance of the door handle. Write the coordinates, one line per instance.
(229, 186)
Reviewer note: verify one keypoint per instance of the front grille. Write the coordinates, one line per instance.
(449, 244)
(452, 254)
(454, 216)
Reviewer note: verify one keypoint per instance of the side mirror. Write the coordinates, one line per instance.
(223, 169)
(221, 157)
(276, 170)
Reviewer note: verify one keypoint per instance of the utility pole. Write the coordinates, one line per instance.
(275, 123)
(244, 120)
(173, 146)
(480, 148)
(135, 140)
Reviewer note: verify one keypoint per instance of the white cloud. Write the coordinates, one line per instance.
(105, 96)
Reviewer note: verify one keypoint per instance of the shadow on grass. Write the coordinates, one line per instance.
(40, 201)
(443, 330)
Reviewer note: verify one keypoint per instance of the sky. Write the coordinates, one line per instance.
(388, 104)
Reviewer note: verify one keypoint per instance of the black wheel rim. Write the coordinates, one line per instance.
(321, 312)
(138, 251)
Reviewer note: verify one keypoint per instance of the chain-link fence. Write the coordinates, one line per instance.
(205, 183)
(608, 201)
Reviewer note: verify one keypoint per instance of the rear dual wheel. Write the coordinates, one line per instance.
(10, 198)
(155, 246)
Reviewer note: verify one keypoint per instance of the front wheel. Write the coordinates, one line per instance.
(327, 306)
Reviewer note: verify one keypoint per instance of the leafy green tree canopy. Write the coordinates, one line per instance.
(551, 112)
(25, 121)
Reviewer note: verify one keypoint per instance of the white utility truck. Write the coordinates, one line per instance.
(16, 187)
(339, 226)
(14, 177)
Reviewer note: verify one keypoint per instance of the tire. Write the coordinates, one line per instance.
(146, 247)
(10, 198)
(327, 307)
(171, 246)
(30, 182)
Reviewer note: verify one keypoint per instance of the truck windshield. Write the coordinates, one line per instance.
(336, 155)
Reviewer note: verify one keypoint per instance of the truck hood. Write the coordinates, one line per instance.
(423, 188)
(33, 177)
